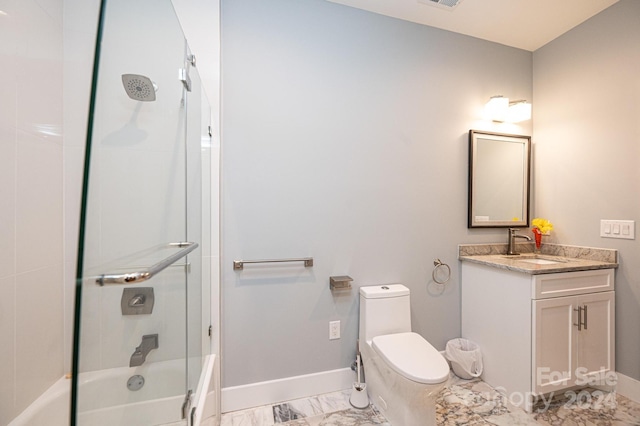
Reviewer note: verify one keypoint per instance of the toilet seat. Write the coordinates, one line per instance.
(412, 356)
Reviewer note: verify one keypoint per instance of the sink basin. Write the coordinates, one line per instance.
(537, 259)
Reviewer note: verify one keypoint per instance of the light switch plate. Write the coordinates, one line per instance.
(624, 229)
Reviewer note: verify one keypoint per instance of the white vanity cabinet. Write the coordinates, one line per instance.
(539, 333)
(566, 353)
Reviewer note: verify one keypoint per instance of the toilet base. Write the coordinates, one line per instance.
(402, 401)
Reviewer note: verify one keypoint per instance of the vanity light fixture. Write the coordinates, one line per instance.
(443, 4)
(501, 110)
(496, 108)
(519, 111)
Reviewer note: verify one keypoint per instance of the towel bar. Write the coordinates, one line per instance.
(238, 265)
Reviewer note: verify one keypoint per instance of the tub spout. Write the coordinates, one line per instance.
(139, 356)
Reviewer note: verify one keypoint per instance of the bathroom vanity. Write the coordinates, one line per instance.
(544, 321)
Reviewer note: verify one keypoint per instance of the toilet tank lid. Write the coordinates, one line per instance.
(382, 291)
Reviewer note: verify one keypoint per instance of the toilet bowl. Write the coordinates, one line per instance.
(404, 372)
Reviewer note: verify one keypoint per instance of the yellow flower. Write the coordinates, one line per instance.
(542, 224)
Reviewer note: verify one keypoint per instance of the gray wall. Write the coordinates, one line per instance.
(345, 138)
(586, 114)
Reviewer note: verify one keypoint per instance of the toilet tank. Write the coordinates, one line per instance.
(384, 309)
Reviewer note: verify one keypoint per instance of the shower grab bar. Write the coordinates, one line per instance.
(238, 265)
(148, 273)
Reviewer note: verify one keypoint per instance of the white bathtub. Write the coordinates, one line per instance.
(106, 401)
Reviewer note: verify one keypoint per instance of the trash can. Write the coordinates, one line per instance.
(465, 358)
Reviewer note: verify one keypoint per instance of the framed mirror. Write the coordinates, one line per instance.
(499, 167)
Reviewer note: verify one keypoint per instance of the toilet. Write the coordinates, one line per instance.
(403, 372)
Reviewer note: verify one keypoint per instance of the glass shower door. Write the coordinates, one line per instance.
(139, 256)
(198, 217)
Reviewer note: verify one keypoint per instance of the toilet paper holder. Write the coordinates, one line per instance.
(340, 282)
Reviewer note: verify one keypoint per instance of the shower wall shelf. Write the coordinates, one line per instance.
(238, 265)
(146, 273)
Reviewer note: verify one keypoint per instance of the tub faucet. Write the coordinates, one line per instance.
(511, 250)
(139, 356)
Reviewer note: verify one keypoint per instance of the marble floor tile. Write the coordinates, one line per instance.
(315, 421)
(588, 407)
(514, 418)
(462, 402)
(260, 416)
(336, 401)
(474, 399)
(297, 409)
(354, 417)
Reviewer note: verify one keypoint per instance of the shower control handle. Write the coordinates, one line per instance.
(137, 300)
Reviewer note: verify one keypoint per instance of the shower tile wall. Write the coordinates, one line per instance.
(31, 201)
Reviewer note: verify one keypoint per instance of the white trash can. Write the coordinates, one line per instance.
(465, 358)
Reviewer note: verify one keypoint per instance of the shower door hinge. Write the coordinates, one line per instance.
(210, 330)
(186, 404)
(183, 76)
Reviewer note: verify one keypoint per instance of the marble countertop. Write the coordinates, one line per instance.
(561, 258)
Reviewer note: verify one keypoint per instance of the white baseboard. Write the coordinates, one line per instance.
(628, 387)
(273, 391)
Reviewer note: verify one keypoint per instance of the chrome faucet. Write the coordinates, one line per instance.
(139, 356)
(511, 250)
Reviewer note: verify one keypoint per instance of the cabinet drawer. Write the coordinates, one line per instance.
(571, 283)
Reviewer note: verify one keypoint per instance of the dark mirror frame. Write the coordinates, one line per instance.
(473, 221)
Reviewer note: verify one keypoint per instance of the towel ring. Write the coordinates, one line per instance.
(438, 264)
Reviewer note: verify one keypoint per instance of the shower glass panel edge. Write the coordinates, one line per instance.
(141, 192)
(77, 308)
(194, 229)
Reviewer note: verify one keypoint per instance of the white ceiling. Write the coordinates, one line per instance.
(525, 24)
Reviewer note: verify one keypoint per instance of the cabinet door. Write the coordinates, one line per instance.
(596, 339)
(554, 344)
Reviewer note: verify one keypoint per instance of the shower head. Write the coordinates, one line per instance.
(139, 87)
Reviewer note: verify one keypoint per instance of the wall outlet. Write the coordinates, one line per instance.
(625, 229)
(334, 330)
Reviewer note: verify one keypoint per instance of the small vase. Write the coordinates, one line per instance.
(538, 236)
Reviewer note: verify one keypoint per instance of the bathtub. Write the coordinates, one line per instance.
(106, 401)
